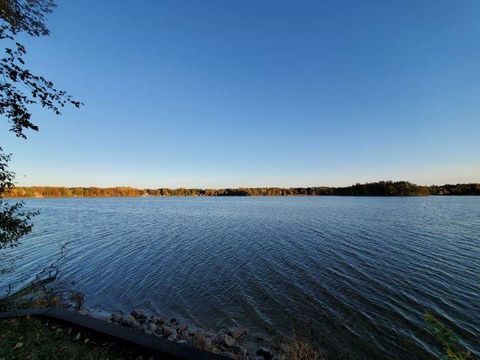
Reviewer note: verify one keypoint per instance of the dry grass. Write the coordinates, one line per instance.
(301, 349)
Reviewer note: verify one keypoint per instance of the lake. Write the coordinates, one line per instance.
(362, 269)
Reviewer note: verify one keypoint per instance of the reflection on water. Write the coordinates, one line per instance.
(365, 269)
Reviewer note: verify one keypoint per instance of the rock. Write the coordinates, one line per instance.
(225, 339)
(158, 320)
(228, 340)
(100, 315)
(182, 328)
(168, 331)
(237, 332)
(151, 327)
(181, 341)
(116, 318)
(129, 321)
(172, 337)
(138, 314)
(184, 334)
(266, 353)
(82, 312)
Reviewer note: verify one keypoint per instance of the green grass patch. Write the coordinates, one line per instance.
(39, 338)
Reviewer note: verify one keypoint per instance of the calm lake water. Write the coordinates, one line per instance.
(364, 270)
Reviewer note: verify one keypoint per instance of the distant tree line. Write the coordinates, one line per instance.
(382, 188)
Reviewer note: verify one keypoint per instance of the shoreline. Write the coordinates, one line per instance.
(382, 188)
(234, 342)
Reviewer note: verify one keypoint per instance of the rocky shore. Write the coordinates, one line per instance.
(234, 342)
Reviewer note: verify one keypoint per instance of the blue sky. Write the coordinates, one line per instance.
(257, 93)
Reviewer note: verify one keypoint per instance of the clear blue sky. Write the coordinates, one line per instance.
(257, 93)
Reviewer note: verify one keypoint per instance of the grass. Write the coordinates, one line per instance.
(448, 340)
(38, 338)
(301, 349)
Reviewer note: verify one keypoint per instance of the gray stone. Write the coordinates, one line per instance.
(116, 317)
(129, 321)
(100, 315)
(83, 312)
(138, 314)
(182, 327)
(158, 320)
(151, 327)
(184, 334)
(225, 339)
(182, 341)
(228, 340)
(237, 332)
(168, 331)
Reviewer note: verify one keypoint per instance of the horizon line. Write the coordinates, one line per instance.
(241, 187)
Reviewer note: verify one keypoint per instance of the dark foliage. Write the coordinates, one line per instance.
(458, 189)
(20, 89)
(27, 16)
(14, 221)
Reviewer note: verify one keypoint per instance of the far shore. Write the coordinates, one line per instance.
(382, 188)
